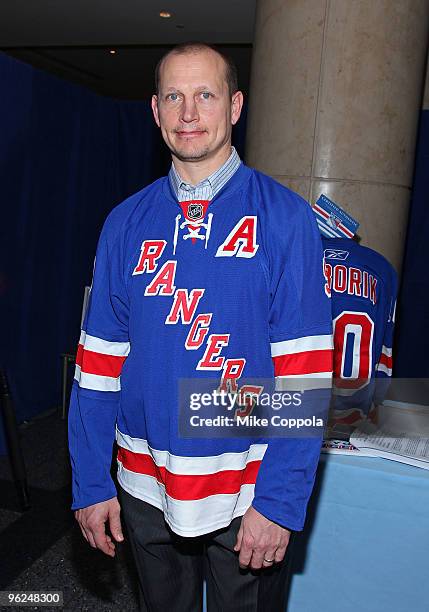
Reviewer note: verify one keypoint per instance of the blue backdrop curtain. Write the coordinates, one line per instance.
(412, 337)
(67, 157)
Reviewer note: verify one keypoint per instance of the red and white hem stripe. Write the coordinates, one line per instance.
(308, 357)
(386, 361)
(99, 363)
(197, 494)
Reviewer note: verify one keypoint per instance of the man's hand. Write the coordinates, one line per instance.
(261, 542)
(92, 523)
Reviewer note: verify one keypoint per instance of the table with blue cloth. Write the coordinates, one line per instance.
(366, 543)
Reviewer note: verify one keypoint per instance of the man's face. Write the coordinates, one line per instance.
(193, 108)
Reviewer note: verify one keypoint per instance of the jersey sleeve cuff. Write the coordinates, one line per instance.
(288, 522)
(90, 500)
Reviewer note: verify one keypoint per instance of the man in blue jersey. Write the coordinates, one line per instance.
(170, 264)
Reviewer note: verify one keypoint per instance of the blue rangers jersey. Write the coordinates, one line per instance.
(363, 286)
(222, 289)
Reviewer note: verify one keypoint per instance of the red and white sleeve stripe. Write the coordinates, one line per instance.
(99, 363)
(305, 357)
(386, 362)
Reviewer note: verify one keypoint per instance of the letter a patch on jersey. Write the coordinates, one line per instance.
(241, 241)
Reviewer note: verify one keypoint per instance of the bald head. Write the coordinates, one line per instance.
(230, 70)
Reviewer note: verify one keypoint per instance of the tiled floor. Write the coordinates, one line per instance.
(42, 549)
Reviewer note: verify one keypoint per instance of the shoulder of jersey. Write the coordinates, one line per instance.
(130, 209)
(378, 262)
(369, 257)
(276, 196)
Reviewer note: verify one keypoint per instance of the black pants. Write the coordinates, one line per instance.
(171, 568)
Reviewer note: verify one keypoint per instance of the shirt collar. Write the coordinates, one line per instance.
(210, 186)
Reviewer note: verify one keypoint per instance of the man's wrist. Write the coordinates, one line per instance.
(280, 522)
(91, 501)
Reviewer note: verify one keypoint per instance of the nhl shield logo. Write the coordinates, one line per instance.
(195, 211)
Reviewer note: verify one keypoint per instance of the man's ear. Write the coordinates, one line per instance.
(236, 106)
(154, 104)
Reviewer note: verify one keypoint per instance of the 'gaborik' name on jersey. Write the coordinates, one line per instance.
(351, 280)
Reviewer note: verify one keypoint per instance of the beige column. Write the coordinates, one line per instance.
(336, 90)
(425, 104)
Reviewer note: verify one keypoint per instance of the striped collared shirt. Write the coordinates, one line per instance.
(209, 187)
